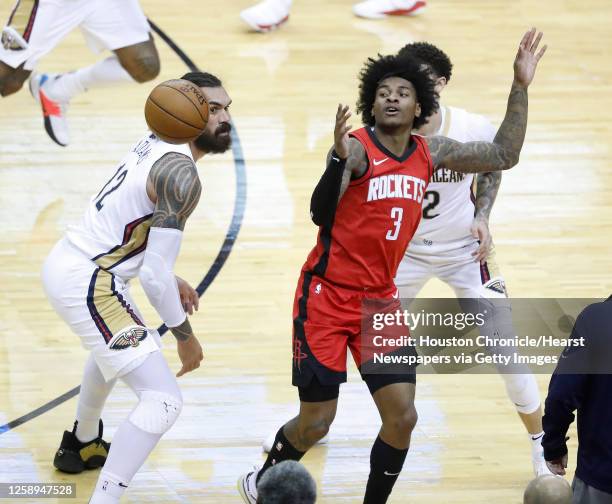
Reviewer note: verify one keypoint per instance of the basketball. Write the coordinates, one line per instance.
(176, 111)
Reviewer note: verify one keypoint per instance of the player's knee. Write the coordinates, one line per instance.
(316, 427)
(143, 67)
(404, 422)
(156, 411)
(317, 430)
(523, 391)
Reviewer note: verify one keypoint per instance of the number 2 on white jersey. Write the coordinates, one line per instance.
(396, 213)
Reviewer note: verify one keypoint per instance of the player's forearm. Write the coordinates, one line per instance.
(487, 185)
(325, 196)
(511, 133)
(182, 332)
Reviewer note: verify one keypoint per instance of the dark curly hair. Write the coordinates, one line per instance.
(429, 54)
(375, 70)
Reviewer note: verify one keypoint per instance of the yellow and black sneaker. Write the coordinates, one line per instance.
(74, 457)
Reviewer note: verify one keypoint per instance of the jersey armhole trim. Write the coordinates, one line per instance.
(368, 172)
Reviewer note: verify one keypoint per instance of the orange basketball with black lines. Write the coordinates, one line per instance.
(176, 111)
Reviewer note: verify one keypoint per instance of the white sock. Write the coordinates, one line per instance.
(109, 489)
(94, 391)
(103, 73)
(536, 443)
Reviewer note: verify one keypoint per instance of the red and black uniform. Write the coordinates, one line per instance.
(356, 257)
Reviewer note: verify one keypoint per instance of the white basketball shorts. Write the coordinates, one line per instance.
(454, 265)
(42, 24)
(98, 307)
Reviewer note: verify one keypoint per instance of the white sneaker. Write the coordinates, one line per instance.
(54, 112)
(378, 9)
(247, 486)
(267, 15)
(269, 441)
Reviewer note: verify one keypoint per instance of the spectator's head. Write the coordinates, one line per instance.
(287, 483)
(548, 489)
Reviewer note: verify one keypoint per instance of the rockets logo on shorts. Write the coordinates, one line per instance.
(129, 338)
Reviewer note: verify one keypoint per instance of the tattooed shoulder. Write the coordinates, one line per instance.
(177, 187)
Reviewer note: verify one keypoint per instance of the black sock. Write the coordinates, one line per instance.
(385, 465)
(281, 450)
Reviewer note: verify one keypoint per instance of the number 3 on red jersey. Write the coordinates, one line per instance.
(396, 213)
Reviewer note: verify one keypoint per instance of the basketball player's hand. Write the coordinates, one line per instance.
(526, 59)
(341, 137)
(189, 297)
(190, 353)
(558, 466)
(480, 231)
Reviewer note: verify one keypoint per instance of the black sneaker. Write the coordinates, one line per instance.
(74, 457)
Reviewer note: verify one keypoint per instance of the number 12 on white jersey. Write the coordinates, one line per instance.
(396, 213)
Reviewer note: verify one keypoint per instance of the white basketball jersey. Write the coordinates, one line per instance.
(113, 232)
(448, 205)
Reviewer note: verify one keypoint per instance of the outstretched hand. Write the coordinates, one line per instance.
(526, 59)
(341, 138)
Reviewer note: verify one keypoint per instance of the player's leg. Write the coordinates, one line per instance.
(11, 79)
(471, 279)
(33, 29)
(159, 405)
(378, 9)
(412, 274)
(88, 427)
(318, 404)
(267, 15)
(394, 398)
(320, 342)
(119, 26)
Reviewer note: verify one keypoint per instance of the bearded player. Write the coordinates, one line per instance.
(133, 227)
(453, 239)
(368, 205)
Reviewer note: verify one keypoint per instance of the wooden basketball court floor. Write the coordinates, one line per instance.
(551, 224)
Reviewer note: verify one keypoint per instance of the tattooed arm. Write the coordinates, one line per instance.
(487, 185)
(504, 152)
(175, 187)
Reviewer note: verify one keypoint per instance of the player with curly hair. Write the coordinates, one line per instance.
(368, 204)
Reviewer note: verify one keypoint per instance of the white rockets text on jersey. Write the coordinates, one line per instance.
(448, 207)
(114, 230)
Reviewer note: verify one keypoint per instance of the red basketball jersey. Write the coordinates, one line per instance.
(376, 217)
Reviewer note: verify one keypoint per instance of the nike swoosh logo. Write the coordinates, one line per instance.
(396, 295)
(378, 162)
(337, 160)
(537, 437)
(391, 474)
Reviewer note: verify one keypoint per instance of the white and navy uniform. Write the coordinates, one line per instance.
(443, 243)
(42, 24)
(86, 276)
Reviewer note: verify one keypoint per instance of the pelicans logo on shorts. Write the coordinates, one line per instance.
(129, 338)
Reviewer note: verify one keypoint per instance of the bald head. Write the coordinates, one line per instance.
(548, 489)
